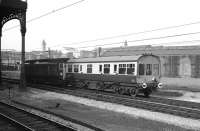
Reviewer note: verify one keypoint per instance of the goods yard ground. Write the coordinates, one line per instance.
(107, 116)
(188, 96)
(192, 95)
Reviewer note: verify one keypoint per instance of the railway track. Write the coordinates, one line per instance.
(19, 119)
(169, 106)
(9, 124)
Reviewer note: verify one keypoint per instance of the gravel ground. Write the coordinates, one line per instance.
(183, 95)
(188, 96)
(107, 116)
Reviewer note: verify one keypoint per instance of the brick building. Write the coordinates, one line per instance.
(11, 59)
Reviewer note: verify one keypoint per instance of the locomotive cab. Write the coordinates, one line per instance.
(148, 73)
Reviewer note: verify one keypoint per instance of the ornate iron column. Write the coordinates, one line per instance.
(0, 52)
(23, 32)
(15, 9)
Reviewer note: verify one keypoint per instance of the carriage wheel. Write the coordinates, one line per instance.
(98, 86)
(134, 92)
(121, 91)
(86, 85)
(116, 88)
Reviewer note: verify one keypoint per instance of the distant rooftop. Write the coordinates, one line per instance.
(157, 50)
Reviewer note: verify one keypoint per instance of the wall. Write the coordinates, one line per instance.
(182, 70)
(181, 82)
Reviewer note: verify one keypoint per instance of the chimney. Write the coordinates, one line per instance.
(99, 51)
(44, 45)
(125, 43)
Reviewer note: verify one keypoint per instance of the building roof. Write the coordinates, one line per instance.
(156, 50)
(105, 59)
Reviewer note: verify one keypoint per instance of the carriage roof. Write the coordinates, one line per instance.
(106, 59)
(55, 60)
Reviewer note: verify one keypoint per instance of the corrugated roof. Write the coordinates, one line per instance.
(105, 59)
(156, 50)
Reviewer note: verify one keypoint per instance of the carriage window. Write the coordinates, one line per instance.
(89, 68)
(122, 68)
(76, 68)
(148, 69)
(106, 68)
(70, 68)
(61, 66)
(115, 68)
(130, 68)
(141, 69)
(66, 67)
(100, 68)
(81, 67)
(155, 69)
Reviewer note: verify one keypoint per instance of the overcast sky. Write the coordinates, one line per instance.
(94, 19)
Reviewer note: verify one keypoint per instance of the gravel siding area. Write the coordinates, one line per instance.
(107, 116)
(135, 112)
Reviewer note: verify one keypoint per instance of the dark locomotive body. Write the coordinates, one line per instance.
(45, 71)
(122, 74)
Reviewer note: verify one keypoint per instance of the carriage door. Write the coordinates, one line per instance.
(61, 70)
(148, 67)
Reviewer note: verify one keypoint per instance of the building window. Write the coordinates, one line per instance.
(122, 68)
(115, 68)
(155, 69)
(130, 68)
(106, 68)
(148, 69)
(76, 68)
(69, 68)
(89, 68)
(100, 68)
(141, 69)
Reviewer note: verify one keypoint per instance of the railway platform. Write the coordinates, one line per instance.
(105, 116)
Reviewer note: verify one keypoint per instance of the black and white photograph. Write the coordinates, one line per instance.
(99, 65)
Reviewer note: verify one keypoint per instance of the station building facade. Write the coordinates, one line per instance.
(180, 65)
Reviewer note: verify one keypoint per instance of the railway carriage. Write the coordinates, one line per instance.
(122, 74)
